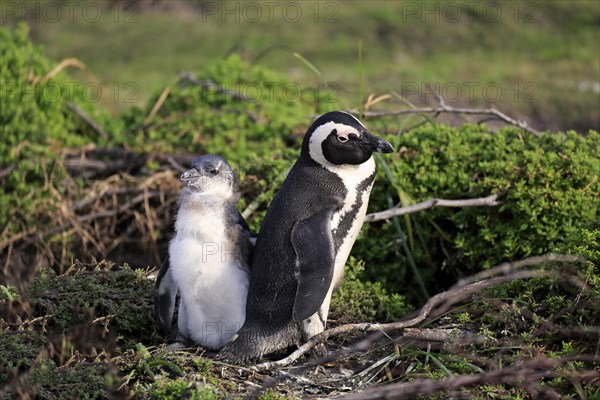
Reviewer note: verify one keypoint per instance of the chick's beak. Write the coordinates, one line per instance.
(189, 175)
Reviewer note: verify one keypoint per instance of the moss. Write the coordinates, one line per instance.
(203, 366)
(270, 394)
(180, 388)
(18, 350)
(119, 300)
(82, 380)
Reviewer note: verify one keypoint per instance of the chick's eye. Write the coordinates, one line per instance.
(342, 139)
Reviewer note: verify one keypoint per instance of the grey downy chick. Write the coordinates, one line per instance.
(208, 258)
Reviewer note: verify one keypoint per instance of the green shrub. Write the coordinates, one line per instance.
(36, 124)
(180, 388)
(259, 137)
(210, 120)
(119, 300)
(356, 300)
(82, 380)
(551, 185)
(18, 350)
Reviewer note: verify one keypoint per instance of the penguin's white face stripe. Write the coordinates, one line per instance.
(315, 145)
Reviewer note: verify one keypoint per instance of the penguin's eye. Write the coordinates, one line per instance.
(214, 171)
(342, 139)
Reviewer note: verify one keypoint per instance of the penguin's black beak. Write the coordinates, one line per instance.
(374, 143)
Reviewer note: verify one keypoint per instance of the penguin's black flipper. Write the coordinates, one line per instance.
(253, 236)
(242, 221)
(165, 292)
(313, 243)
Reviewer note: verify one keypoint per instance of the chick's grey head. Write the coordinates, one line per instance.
(210, 175)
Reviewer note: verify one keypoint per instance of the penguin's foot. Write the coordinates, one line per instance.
(225, 355)
(175, 346)
(317, 352)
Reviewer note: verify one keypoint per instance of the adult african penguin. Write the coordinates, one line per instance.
(306, 236)
(208, 258)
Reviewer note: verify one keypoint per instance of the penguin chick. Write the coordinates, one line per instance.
(208, 258)
(306, 237)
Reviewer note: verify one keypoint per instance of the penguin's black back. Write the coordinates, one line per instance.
(274, 257)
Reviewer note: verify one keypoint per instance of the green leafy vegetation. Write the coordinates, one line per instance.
(36, 125)
(18, 350)
(360, 300)
(82, 380)
(551, 191)
(119, 300)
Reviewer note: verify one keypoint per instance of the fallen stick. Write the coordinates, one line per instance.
(508, 267)
(522, 375)
(452, 296)
(443, 108)
(87, 119)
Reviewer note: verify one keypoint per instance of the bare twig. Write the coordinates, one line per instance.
(531, 371)
(175, 164)
(489, 201)
(29, 235)
(157, 105)
(444, 335)
(451, 296)
(87, 119)
(444, 108)
(67, 62)
(506, 267)
(363, 345)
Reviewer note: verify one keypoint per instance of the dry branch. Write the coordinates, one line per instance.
(121, 208)
(443, 108)
(522, 375)
(489, 201)
(409, 331)
(7, 170)
(444, 335)
(157, 105)
(507, 267)
(451, 296)
(67, 62)
(87, 119)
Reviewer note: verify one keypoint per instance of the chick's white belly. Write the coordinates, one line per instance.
(213, 290)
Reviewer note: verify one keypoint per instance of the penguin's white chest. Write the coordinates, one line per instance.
(346, 223)
(213, 283)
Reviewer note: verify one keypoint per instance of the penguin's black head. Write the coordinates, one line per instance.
(210, 174)
(339, 138)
